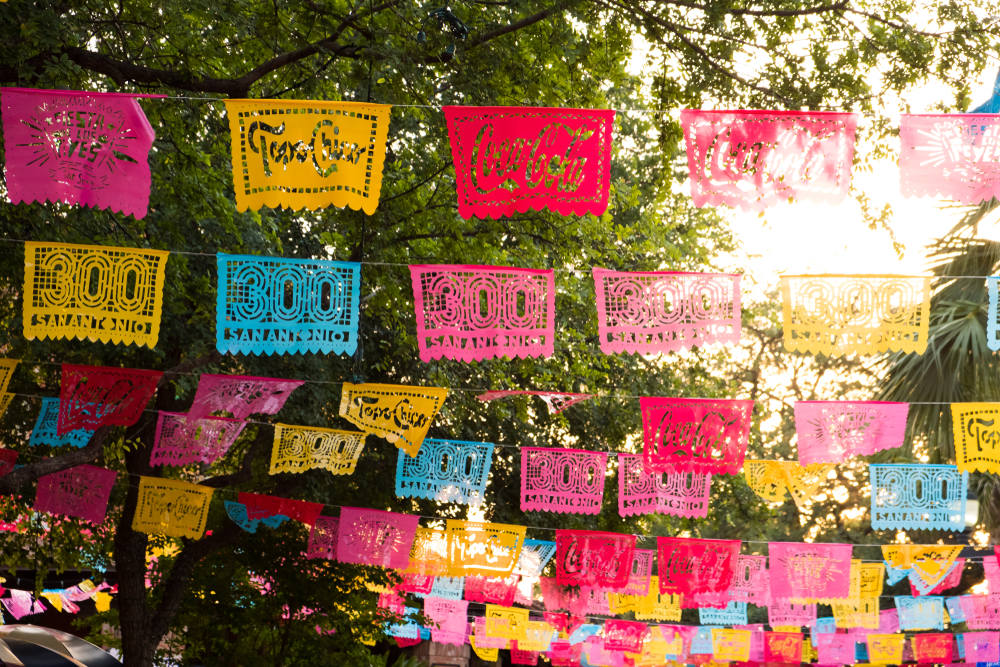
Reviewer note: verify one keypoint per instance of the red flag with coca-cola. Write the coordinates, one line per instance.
(693, 567)
(593, 558)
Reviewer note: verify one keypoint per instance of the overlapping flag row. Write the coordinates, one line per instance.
(92, 149)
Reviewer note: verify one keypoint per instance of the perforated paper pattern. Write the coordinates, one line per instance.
(7, 367)
(592, 558)
(977, 436)
(863, 613)
(933, 561)
(82, 491)
(954, 576)
(83, 148)
(656, 607)
(307, 153)
(691, 566)
(929, 497)
(694, 435)
(300, 448)
(734, 613)
(180, 441)
(44, 434)
(276, 305)
(240, 395)
(783, 647)
(446, 471)
(783, 613)
(447, 588)
(731, 645)
(993, 315)
(982, 612)
(837, 314)
(982, 647)
(920, 613)
(624, 635)
(639, 573)
(429, 552)
(95, 396)
(885, 649)
(93, 293)
(562, 480)
(172, 507)
(510, 160)
(535, 555)
(836, 649)
(556, 401)
(653, 312)
(751, 581)
(323, 538)
(755, 159)
(472, 313)
(374, 537)
(400, 414)
(240, 515)
(490, 549)
(949, 156)
(261, 507)
(813, 572)
(683, 494)
(492, 590)
(834, 431)
(933, 648)
(771, 479)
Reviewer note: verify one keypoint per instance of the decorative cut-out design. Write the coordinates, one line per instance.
(955, 610)
(680, 494)
(485, 654)
(734, 613)
(755, 159)
(240, 395)
(446, 471)
(300, 448)
(95, 396)
(731, 645)
(374, 537)
(993, 316)
(933, 561)
(751, 582)
(977, 436)
(836, 649)
(180, 441)
(982, 647)
(307, 153)
(860, 614)
(652, 312)
(82, 491)
(562, 480)
(694, 435)
(447, 588)
(484, 636)
(593, 558)
(83, 148)
(982, 612)
(691, 566)
(171, 507)
(954, 576)
(594, 653)
(885, 649)
(269, 305)
(323, 538)
(400, 414)
(506, 622)
(782, 613)
(624, 635)
(872, 578)
(492, 590)
(472, 313)
(93, 293)
(919, 497)
(520, 656)
(812, 572)
(837, 314)
(499, 153)
(771, 479)
(655, 606)
(535, 555)
(932, 648)
(8, 458)
(783, 647)
(834, 431)
(639, 574)
(489, 549)
(241, 517)
(44, 434)
(557, 401)
(951, 156)
(449, 615)
(260, 507)
(429, 552)
(7, 367)
(923, 613)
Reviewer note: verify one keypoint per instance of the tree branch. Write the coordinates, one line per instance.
(264, 437)
(822, 9)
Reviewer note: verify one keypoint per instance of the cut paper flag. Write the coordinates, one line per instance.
(624, 635)
(754, 159)
(21, 604)
(450, 617)
(684, 494)
(863, 613)
(307, 153)
(374, 537)
(446, 588)
(489, 638)
(918, 497)
(453, 471)
(83, 148)
(535, 555)
(639, 574)
(751, 581)
(836, 649)
(489, 549)
(276, 305)
(8, 459)
(834, 314)
(654, 312)
(731, 645)
(982, 612)
(993, 315)
(980, 647)
(771, 479)
(400, 414)
(520, 656)
(505, 622)
(694, 435)
(472, 313)
(977, 436)
(94, 396)
(923, 613)
(885, 649)
(834, 431)
(240, 395)
(491, 590)
(734, 613)
(955, 610)
(933, 648)
(7, 367)
(239, 515)
(82, 492)
(510, 160)
(171, 507)
(180, 441)
(783, 613)
(562, 480)
(809, 572)
(485, 654)
(783, 647)
(93, 293)
(689, 567)
(300, 448)
(261, 507)
(429, 553)
(933, 561)
(45, 434)
(537, 636)
(556, 401)
(949, 156)
(656, 607)
(593, 558)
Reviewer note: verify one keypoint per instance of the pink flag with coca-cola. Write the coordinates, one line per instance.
(624, 635)
(812, 572)
(694, 434)
(690, 567)
(510, 160)
(593, 558)
(77, 147)
(94, 396)
(374, 537)
(755, 159)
